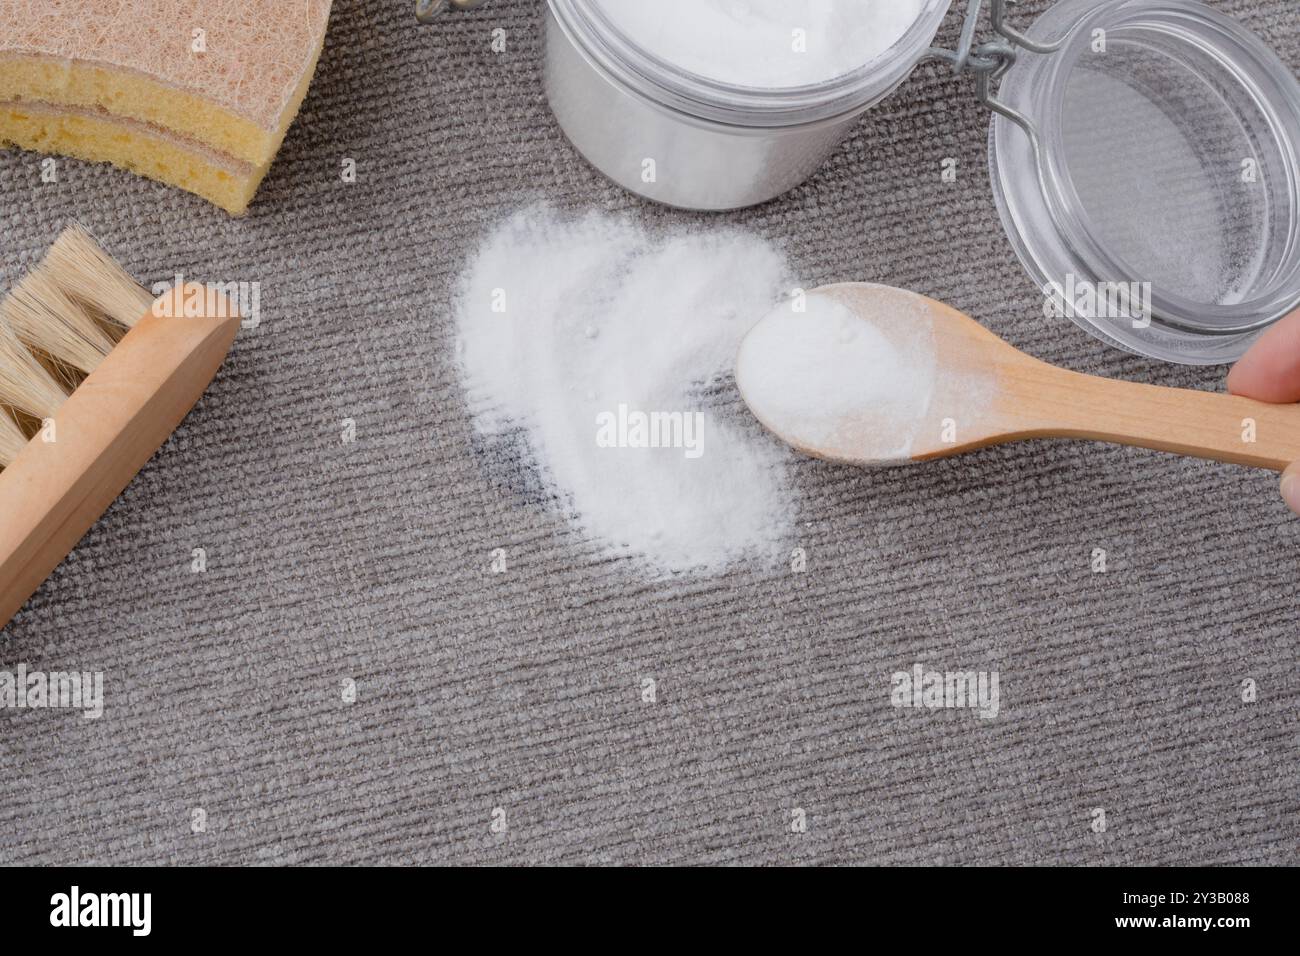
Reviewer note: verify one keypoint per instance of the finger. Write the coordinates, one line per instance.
(1291, 487)
(1270, 371)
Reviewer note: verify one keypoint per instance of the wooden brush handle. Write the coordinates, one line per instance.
(1182, 421)
(105, 433)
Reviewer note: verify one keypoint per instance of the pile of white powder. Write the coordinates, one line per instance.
(765, 44)
(595, 341)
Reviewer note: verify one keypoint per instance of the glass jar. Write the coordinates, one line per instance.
(1150, 157)
(689, 141)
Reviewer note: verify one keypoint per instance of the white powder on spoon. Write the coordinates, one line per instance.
(841, 384)
(765, 44)
(570, 328)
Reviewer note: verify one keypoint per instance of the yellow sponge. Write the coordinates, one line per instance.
(197, 95)
(149, 151)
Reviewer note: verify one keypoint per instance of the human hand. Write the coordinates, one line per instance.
(1270, 372)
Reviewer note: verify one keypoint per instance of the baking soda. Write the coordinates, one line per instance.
(765, 43)
(602, 355)
(836, 382)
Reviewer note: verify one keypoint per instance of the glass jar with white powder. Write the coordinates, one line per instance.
(720, 104)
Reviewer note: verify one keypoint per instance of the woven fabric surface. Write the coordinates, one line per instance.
(229, 734)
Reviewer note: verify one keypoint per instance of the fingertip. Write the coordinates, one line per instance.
(1270, 371)
(1291, 487)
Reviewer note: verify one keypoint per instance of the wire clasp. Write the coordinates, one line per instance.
(990, 60)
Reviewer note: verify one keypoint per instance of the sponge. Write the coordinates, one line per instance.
(148, 150)
(197, 95)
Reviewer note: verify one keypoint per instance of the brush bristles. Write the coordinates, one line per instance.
(25, 384)
(87, 274)
(12, 438)
(48, 320)
(59, 322)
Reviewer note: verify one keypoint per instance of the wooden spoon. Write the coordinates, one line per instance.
(921, 380)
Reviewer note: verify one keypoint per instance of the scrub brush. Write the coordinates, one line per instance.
(94, 375)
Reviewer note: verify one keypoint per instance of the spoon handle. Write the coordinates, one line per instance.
(1220, 427)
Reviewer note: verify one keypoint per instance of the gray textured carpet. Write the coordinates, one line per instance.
(369, 561)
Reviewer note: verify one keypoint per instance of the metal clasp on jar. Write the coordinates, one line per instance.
(990, 61)
(426, 11)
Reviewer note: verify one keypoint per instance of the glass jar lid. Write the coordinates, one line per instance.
(1151, 184)
(635, 47)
